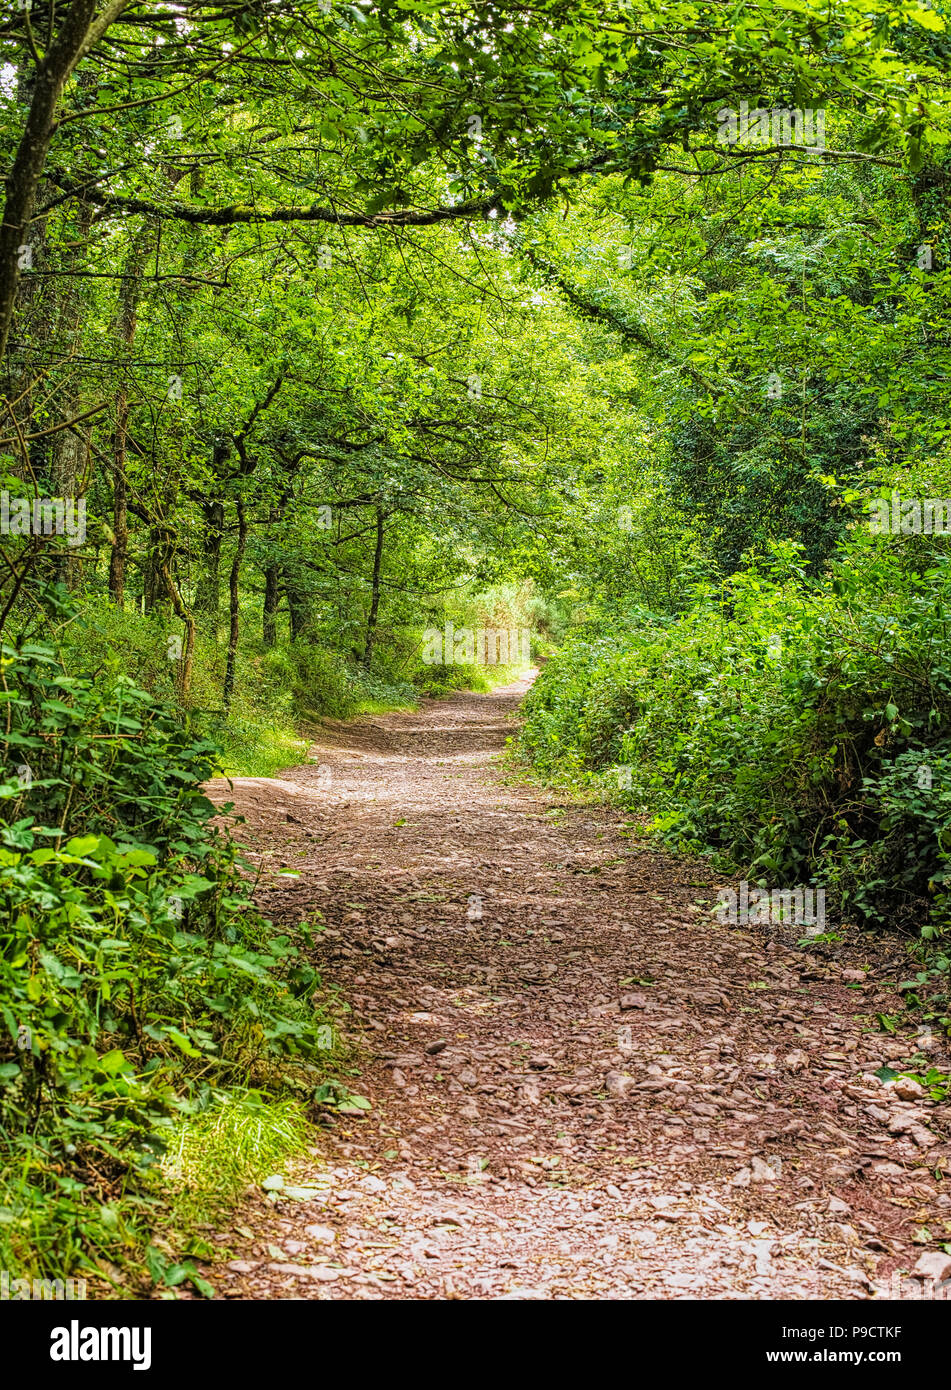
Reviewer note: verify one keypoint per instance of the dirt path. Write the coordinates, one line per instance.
(591, 1091)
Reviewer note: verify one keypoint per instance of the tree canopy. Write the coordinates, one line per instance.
(325, 325)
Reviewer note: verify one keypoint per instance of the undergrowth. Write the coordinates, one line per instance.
(137, 983)
(796, 730)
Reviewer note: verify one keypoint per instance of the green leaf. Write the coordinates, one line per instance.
(82, 845)
(114, 1062)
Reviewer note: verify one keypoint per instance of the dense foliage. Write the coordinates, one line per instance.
(801, 731)
(135, 978)
(344, 321)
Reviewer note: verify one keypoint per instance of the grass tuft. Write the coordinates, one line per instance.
(216, 1155)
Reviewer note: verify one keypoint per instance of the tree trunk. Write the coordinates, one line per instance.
(160, 551)
(126, 325)
(235, 605)
(374, 590)
(207, 590)
(182, 612)
(296, 608)
(78, 31)
(120, 505)
(70, 453)
(70, 448)
(272, 577)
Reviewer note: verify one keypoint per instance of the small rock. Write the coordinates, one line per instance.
(406, 1061)
(839, 1207)
(933, 1265)
(910, 1124)
(742, 1178)
(435, 1047)
(795, 1060)
(907, 1089)
(765, 1172)
(661, 1202)
(321, 1235)
(633, 1001)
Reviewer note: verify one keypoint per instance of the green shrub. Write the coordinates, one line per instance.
(779, 723)
(134, 975)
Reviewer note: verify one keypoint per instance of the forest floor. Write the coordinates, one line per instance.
(592, 1090)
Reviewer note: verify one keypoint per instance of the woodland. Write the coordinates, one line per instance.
(328, 326)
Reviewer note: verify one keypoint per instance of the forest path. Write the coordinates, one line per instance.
(591, 1091)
